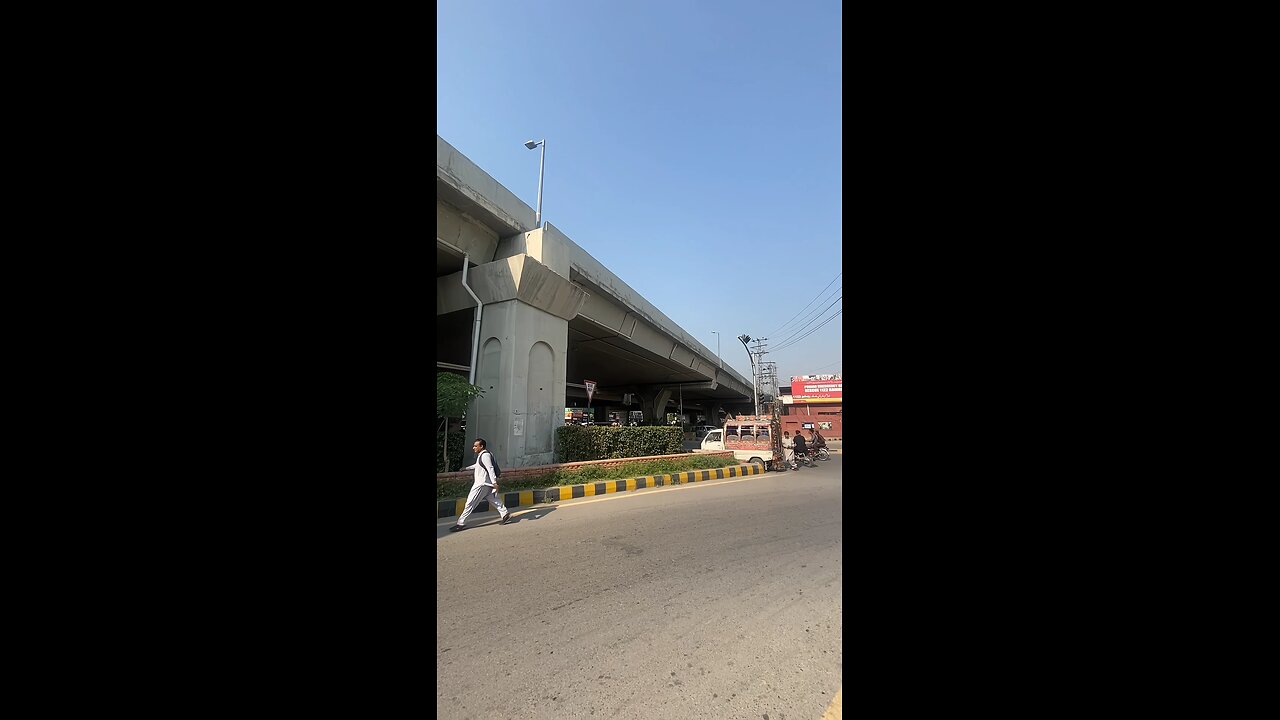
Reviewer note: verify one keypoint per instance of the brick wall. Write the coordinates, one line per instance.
(796, 422)
(794, 416)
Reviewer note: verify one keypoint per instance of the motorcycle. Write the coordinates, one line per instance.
(803, 459)
(823, 454)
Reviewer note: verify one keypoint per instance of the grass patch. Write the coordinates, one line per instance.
(591, 473)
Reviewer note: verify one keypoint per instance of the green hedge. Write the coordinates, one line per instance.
(446, 489)
(575, 443)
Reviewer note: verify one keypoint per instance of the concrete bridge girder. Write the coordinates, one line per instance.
(467, 186)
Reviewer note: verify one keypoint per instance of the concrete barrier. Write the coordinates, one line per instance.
(524, 498)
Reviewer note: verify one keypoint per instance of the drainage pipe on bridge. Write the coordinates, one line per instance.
(475, 334)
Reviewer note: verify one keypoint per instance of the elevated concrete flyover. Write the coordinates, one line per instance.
(551, 317)
(622, 342)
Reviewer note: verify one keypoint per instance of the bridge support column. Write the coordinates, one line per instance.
(713, 412)
(644, 396)
(653, 403)
(660, 405)
(522, 353)
(521, 368)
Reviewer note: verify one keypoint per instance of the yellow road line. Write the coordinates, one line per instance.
(834, 710)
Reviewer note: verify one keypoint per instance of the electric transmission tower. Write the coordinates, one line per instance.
(769, 381)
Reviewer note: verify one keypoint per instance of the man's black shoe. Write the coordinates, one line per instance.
(455, 528)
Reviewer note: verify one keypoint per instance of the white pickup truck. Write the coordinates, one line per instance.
(749, 437)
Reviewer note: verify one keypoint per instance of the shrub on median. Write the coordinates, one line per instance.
(575, 443)
(446, 489)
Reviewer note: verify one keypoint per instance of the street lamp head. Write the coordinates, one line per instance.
(532, 144)
(745, 338)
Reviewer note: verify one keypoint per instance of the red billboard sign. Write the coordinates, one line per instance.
(817, 389)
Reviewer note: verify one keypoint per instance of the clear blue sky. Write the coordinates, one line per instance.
(693, 148)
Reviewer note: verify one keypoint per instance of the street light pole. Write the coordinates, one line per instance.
(718, 349)
(755, 385)
(537, 220)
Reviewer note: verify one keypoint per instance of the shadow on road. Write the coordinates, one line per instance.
(479, 523)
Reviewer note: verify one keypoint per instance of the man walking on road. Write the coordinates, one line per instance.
(484, 488)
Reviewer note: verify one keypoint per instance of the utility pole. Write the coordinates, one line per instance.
(756, 369)
(755, 392)
(769, 381)
(759, 366)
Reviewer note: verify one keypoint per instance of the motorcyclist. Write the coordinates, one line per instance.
(817, 441)
(800, 445)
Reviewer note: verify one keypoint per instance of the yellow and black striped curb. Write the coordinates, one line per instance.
(524, 498)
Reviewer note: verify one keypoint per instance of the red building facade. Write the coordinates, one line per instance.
(814, 401)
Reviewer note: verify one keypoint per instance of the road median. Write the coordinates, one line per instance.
(524, 498)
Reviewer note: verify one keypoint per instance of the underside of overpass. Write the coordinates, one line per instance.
(621, 362)
(616, 366)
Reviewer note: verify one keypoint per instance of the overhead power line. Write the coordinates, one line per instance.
(793, 317)
(808, 316)
(800, 329)
(802, 337)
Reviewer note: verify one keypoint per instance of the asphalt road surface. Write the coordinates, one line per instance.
(718, 599)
